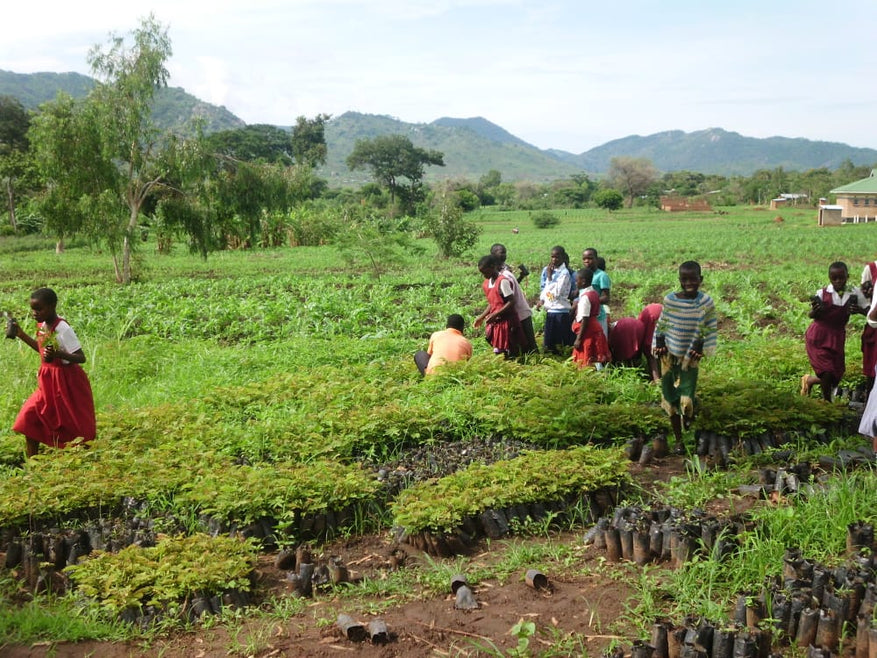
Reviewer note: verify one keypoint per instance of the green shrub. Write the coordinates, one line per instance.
(545, 219)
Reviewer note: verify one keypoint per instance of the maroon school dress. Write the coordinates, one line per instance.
(825, 338)
(595, 348)
(62, 407)
(505, 334)
(625, 338)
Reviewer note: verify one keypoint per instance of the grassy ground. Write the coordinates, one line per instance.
(304, 354)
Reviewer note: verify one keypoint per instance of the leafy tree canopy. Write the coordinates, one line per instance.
(258, 142)
(391, 158)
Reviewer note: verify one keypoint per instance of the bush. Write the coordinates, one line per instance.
(608, 199)
(545, 219)
(452, 232)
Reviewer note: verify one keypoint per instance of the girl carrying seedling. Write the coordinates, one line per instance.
(62, 407)
(830, 309)
(590, 346)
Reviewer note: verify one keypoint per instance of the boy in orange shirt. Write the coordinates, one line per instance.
(444, 346)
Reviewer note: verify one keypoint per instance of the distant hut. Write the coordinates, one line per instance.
(684, 204)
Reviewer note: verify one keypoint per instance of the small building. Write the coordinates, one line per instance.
(858, 200)
(830, 215)
(779, 202)
(684, 203)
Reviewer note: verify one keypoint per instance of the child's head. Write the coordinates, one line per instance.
(456, 321)
(488, 266)
(838, 273)
(42, 304)
(558, 256)
(589, 258)
(584, 277)
(690, 278)
(499, 252)
(601, 263)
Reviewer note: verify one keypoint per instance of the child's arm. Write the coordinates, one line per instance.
(577, 344)
(481, 317)
(504, 309)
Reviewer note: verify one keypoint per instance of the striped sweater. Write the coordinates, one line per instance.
(685, 321)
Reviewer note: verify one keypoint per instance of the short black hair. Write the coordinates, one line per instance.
(45, 295)
(585, 276)
(691, 266)
(839, 265)
(489, 259)
(456, 321)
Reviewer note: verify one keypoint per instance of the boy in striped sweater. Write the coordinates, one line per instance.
(685, 333)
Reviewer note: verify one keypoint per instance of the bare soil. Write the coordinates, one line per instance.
(591, 606)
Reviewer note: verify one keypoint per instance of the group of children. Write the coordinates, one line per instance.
(674, 336)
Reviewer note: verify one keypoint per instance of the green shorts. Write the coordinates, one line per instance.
(678, 386)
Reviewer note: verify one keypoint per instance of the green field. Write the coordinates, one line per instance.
(272, 383)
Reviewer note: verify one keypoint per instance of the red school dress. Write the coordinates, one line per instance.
(826, 336)
(595, 348)
(505, 335)
(62, 407)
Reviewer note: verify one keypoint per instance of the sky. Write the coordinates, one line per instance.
(563, 74)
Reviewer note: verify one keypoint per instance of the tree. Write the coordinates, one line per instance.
(68, 151)
(608, 199)
(14, 144)
(392, 159)
(120, 143)
(259, 142)
(447, 225)
(129, 77)
(632, 175)
(309, 140)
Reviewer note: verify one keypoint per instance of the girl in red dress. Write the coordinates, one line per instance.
(590, 346)
(62, 407)
(503, 327)
(830, 309)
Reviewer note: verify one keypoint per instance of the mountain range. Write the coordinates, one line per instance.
(473, 146)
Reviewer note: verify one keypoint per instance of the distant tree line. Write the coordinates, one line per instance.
(98, 169)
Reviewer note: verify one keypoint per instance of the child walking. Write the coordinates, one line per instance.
(830, 309)
(62, 407)
(685, 332)
(590, 346)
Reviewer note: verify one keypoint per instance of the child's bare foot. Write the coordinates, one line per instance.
(805, 385)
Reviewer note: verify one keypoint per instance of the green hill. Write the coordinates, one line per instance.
(173, 108)
(471, 147)
(474, 146)
(717, 151)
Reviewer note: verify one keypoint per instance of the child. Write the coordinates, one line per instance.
(444, 347)
(601, 284)
(685, 332)
(555, 285)
(522, 306)
(830, 309)
(590, 346)
(868, 424)
(62, 407)
(503, 328)
(869, 333)
(649, 318)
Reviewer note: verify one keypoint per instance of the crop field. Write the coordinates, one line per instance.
(264, 401)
